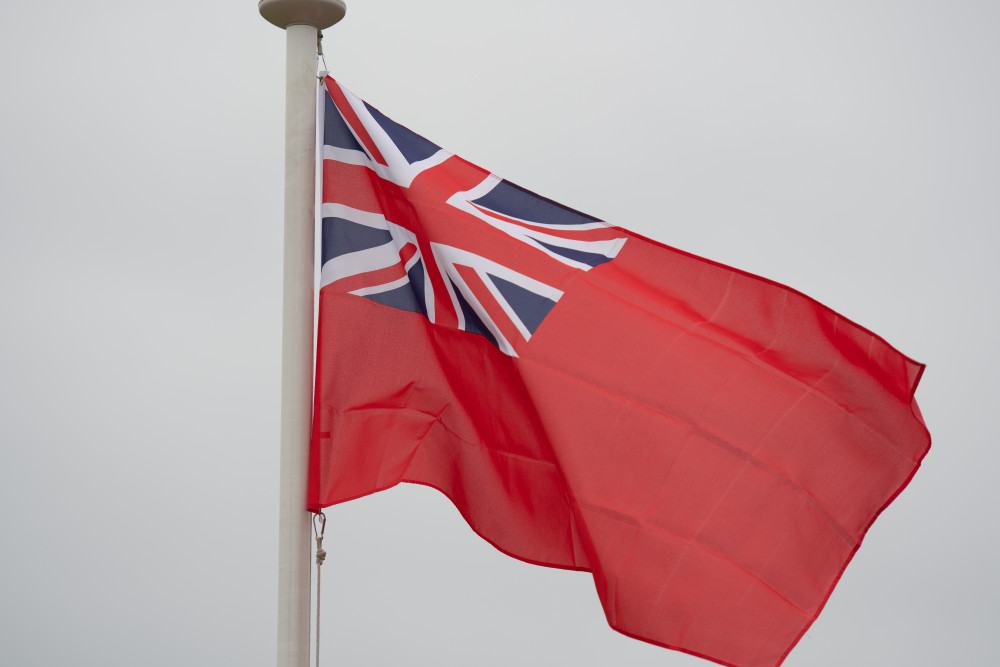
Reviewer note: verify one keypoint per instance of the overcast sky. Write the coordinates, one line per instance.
(849, 149)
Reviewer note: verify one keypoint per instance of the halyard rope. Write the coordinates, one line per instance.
(319, 527)
(319, 49)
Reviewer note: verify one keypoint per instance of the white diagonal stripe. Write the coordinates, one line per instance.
(362, 261)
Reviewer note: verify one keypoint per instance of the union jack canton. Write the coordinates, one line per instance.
(409, 225)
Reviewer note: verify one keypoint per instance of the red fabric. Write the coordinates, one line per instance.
(711, 445)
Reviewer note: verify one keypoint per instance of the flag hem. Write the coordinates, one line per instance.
(529, 561)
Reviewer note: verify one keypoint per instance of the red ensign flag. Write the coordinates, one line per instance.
(711, 445)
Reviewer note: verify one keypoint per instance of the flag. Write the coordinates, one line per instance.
(712, 446)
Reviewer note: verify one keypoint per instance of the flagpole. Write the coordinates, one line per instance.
(302, 20)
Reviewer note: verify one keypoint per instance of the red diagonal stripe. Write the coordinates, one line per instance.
(347, 111)
(566, 232)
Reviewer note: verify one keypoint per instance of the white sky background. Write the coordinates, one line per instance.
(849, 149)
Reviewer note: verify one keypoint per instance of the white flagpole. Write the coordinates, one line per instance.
(302, 20)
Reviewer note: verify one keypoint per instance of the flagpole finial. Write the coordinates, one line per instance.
(317, 13)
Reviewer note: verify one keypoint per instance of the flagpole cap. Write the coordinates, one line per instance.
(318, 13)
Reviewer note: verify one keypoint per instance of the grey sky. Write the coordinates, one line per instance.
(848, 149)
